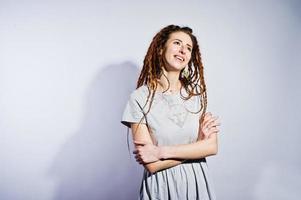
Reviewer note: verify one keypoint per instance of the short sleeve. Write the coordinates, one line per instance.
(133, 112)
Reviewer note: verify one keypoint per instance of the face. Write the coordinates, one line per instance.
(177, 52)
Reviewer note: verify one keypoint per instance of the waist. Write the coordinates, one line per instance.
(195, 161)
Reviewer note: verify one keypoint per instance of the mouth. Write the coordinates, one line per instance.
(180, 58)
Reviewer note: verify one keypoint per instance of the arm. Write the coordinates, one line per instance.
(199, 149)
(148, 153)
(206, 145)
(161, 164)
(141, 133)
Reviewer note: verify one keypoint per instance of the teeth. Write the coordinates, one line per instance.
(182, 59)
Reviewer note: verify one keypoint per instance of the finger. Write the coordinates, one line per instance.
(215, 123)
(137, 158)
(209, 118)
(210, 131)
(208, 114)
(210, 121)
(217, 119)
(205, 118)
(140, 162)
(214, 130)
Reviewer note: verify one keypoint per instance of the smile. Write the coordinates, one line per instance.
(179, 58)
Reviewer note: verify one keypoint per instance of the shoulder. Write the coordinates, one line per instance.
(139, 96)
(140, 93)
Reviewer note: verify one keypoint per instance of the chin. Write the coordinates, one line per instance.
(175, 67)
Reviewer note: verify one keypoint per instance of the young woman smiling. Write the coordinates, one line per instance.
(172, 132)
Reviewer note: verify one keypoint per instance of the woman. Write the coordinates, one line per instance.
(171, 130)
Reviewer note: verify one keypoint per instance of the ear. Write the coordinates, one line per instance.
(161, 52)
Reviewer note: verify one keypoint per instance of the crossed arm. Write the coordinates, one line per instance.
(156, 158)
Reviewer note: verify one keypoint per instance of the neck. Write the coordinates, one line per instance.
(174, 82)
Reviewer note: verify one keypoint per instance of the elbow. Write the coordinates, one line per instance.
(150, 168)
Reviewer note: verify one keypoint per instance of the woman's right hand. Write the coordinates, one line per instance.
(146, 152)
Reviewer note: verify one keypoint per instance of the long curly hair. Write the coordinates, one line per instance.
(153, 64)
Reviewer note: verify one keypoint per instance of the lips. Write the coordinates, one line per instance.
(182, 59)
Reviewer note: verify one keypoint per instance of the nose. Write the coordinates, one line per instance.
(182, 49)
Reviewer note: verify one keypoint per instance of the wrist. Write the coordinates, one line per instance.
(163, 152)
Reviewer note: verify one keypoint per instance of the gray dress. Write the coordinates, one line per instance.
(171, 122)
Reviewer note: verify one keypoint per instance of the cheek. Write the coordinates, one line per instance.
(170, 52)
(173, 49)
(188, 58)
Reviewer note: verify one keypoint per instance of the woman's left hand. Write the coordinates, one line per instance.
(146, 152)
(209, 125)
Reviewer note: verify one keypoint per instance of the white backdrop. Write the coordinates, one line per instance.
(67, 68)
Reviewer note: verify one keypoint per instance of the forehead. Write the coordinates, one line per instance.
(184, 37)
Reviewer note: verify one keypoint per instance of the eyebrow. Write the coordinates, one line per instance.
(182, 42)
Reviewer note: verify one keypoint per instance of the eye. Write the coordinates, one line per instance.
(177, 42)
(189, 49)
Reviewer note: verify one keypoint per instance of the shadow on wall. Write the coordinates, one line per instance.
(95, 163)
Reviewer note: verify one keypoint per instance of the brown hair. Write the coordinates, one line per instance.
(153, 64)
